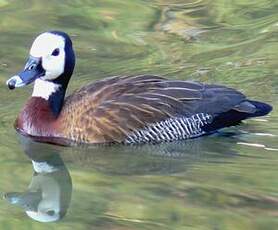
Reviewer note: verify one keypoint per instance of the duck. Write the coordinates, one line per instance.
(136, 109)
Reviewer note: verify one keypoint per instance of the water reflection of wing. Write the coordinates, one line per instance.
(164, 158)
(49, 193)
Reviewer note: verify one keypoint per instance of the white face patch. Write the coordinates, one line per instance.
(43, 217)
(48, 209)
(44, 89)
(43, 47)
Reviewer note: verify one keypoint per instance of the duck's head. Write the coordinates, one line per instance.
(51, 62)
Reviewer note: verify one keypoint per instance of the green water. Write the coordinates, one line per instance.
(226, 181)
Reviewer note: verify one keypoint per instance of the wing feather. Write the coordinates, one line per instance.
(108, 110)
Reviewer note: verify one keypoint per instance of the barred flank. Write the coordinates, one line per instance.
(170, 130)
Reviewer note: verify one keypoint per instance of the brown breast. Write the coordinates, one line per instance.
(37, 119)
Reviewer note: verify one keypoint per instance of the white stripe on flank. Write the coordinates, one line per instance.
(170, 129)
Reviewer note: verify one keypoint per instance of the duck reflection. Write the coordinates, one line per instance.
(49, 193)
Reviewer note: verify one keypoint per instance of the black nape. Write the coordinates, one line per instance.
(56, 101)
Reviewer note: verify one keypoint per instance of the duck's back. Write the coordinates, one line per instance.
(148, 108)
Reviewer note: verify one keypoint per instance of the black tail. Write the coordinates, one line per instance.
(262, 108)
(237, 114)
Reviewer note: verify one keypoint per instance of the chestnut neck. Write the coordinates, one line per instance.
(51, 92)
(38, 118)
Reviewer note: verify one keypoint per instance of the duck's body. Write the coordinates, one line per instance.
(130, 110)
(137, 109)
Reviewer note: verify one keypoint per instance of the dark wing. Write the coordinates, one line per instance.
(110, 109)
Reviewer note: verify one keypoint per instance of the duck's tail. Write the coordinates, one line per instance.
(261, 108)
(244, 110)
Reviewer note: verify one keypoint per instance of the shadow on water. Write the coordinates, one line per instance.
(164, 158)
(48, 195)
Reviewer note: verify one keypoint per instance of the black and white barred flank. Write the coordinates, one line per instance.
(172, 129)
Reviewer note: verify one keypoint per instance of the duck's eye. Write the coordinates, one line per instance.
(55, 52)
(50, 212)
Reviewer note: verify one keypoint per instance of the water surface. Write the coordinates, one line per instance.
(224, 181)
